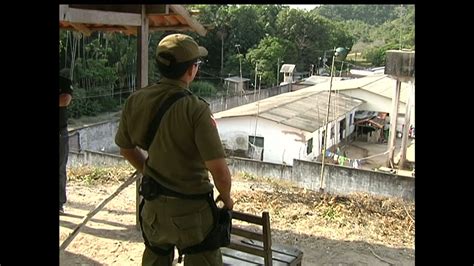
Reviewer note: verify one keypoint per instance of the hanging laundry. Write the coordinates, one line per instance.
(341, 160)
(355, 164)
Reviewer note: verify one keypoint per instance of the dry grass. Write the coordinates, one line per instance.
(381, 220)
(299, 211)
(91, 175)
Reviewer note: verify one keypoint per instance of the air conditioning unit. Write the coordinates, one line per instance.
(236, 141)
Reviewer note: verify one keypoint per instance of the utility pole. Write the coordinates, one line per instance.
(255, 84)
(321, 189)
(401, 25)
(240, 67)
(278, 72)
(222, 53)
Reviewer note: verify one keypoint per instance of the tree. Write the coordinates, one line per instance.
(267, 15)
(370, 14)
(312, 34)
(267, 54)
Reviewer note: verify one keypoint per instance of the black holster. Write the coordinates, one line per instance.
(219, 235)
(148, 188)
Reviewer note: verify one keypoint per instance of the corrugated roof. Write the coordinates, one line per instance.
(313, 80)
(236, 79)
(379, 84)
(305, 110)
(288, 68)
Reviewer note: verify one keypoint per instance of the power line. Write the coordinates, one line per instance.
(102, 95)
(210, 74)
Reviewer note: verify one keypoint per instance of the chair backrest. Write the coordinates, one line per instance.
(245, 244)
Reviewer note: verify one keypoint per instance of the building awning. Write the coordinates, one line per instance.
(374, 122)
(127, 18)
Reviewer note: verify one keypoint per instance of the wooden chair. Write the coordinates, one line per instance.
(255, 248)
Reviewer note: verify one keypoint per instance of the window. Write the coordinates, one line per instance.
(256, 147)
(257, 141)
(323, 138)
(350, 120)
(332, 132)
(309, 146)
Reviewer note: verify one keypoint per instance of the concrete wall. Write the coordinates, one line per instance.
(96, 137)
(337, 179)
(93, 158)
(257, 168)
(345, 180)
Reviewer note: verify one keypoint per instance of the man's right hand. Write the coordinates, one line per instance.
(228, 203)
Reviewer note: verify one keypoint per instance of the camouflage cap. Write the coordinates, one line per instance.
(182, 47)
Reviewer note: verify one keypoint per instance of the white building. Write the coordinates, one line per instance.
(288, 70)
(367, 72)
(287, 126)
(236, 85)
(377, 92)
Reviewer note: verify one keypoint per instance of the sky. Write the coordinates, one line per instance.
(305, 7)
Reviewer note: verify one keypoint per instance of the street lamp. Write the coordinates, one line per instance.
(240, 67)
(341, 54)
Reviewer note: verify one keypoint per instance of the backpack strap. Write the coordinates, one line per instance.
(155, 123)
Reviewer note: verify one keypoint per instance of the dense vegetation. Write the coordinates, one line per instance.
(262, 37)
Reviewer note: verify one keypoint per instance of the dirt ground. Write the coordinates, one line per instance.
(359, 230)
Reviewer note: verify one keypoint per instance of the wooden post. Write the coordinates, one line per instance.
(142, 49)
(267, 239)
(142, 65)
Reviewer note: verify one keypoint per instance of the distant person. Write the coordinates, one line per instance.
(185, 146)
(411, 132)
(65, 96)
(386, 127)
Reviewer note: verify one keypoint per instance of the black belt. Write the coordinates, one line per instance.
(150, 189)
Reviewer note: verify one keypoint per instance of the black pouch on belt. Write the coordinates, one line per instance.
(148, 188)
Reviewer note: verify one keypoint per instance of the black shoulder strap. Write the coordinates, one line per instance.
(155, 123)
